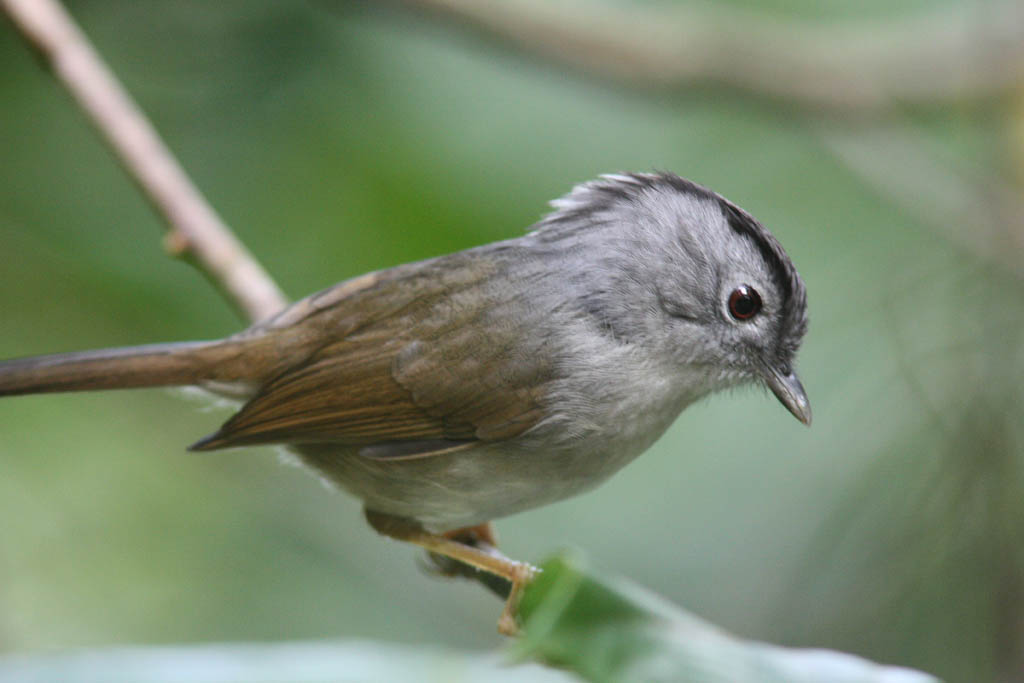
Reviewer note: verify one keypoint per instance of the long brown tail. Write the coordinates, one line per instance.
(154, 365)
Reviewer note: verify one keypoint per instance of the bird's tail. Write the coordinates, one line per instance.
(154, 365)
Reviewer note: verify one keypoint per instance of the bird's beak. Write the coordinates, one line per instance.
(787, 388)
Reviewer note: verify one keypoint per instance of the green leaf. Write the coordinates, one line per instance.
(611, 630)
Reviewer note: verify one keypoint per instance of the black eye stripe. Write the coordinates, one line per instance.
(744, 302)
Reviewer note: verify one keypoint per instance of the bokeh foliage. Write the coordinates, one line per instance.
(338, 138)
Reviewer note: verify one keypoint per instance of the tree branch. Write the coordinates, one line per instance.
(194, 229)
(195, 232)
(949, 55)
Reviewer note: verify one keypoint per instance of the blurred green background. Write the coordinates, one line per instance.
(338, 138)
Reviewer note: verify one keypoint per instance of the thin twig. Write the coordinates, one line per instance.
(194, 229)
(949, 55)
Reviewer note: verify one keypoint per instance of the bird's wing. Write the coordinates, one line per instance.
(422, 363)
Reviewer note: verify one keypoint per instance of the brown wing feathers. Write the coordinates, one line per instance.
(348, 397)
(413, 382)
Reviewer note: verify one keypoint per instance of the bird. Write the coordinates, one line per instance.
(460, 389)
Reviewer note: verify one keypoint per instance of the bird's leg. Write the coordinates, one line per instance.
(476, 536)
(481, 537)
(479, 553)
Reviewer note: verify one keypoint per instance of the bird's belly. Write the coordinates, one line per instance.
(469, 487)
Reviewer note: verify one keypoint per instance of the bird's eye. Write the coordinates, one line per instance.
(744, 302)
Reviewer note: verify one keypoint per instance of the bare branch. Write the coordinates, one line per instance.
(950, 55)
(195, 230)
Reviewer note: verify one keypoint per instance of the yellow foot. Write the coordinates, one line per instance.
(473, 546)
(508, 622)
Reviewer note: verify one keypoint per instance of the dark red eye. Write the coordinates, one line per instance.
(744, 302)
